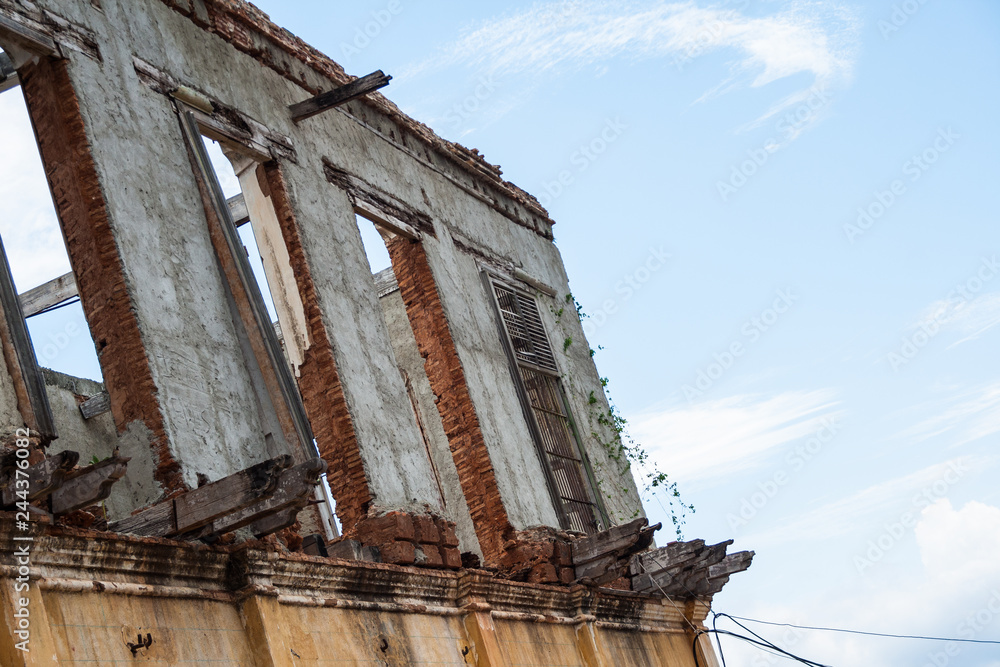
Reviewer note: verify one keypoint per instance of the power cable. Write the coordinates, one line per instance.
(862, 632)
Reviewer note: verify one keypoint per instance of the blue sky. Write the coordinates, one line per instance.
(815, 362)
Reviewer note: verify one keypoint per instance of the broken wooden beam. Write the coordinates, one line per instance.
(339, 95)
(199, 507)
(295, 489)
(96, 405)
(687, 570)
(84, 487)
(605, 556)
(39, 480)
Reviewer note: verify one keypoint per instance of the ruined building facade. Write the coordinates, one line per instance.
(407, 467)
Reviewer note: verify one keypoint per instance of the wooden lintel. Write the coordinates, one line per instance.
(87, 486)
(27, 38)
(339, 95)
(41, 479)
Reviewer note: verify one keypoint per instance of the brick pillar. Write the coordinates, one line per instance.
(447, 379)
(319, 382)
(93, 253)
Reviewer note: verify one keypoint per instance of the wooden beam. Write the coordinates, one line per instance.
(42, 478)
(340, 95)
(200, 507)
(605, 556)
(8, 74)
(15, 33)
(19, 355)
(96, 405)
(86, 486)
(238, 210)
(56, 291)
(295, 489)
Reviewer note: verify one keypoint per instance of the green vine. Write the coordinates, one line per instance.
(621, 448)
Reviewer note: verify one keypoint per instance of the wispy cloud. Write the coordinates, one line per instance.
(851, 514)
(714, 439)
(816, 38)
(28, 224)
(965, 416)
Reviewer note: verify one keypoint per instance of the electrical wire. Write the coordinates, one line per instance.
(765, 645)
(862, 632)
(55, 307)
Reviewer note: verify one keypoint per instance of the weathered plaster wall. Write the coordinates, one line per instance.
(190, 342)
(411, 364)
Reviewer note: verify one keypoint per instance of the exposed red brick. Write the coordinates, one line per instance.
(448, 537)
(319, 381)
(566, 575)
(250, 31)
(543, 573)
(427, 531)
(432, 555)
(398, 553)
(447, 380)
(452, 558)
(94, 256)
(563, 554)
(387, 528)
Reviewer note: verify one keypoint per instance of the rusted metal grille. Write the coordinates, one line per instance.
(524, 327)
(536, 368)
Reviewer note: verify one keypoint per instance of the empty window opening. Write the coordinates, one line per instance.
(547, 411)
(34, 245)
(244, 185)
(405, 351)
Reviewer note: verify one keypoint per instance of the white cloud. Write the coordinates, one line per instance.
(952, 590)
(815, 38)
(965, 416)
(714, 439)
(855, 513)
(28, 225)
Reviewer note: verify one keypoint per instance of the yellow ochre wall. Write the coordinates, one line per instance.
(92, 593)
(93, 628)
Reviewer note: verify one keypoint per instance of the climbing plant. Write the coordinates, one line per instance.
(609, 428)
